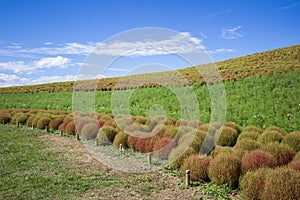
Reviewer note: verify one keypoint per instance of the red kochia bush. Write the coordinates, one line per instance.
(54, 123)
(256, 159)
(163, 146)
(5, 118)
(70, 128)
(141, 144)
(295, 164)
(282, 153)
(62, 127)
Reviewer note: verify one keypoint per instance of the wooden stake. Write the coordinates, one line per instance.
(46, 129)
(96, 141)
(77, 136)
(61, 133)
(187, 177)
(149, 159)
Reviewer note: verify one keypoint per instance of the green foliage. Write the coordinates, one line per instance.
(227, 137)
(178, 155)
(43, 122)
(89, 131)
(198, 167)
(282, 153)
(233, 125)
(256, 159)
(252, 128)
(220, 192)
(282, 183)
(225, 169)
(247, 144)
(121, 138)
(269, 136)
(109, 132)
(248, 135)
(20, 118)
(253, 182)
(293, 140)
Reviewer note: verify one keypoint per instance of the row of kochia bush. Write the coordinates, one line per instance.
(264, 164)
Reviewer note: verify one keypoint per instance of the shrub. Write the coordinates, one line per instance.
(163, 146)
(282, 183)
(247, 144)
(70, 128)
(62, 126)
(253, 129)
(269, 136)
(5, 118)
(252, 183)
(221, 150)
(282, 153)
(105, 117)
(183, 130)
(233, 125)
(43, 122)
(90, 131)
(181, 123)
(171, 130)
(248, 135)
(102, 139)
(256, 159)
(294, 164)
(80, 123)
(30, 119)
(178, 155)
(54, 123)
(227, 137)
(109, 132)
(141, 120)
(170, 121)
(121, 138)
(141, 144)
(194, 124)
(297, 156)
(276, 129)
(293, 140)
(35, 120)
(20, 118)
(225, 169)
(198, 140)
(198, 167)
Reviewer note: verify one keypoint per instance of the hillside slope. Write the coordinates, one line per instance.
(270, 62)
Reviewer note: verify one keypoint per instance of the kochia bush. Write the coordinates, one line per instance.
(225, 169)
(293, 140)
(90, 131)
(282, 153)
(227, 137)
(43, 122)
(198, 167)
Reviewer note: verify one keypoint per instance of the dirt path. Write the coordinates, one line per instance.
(154, 185)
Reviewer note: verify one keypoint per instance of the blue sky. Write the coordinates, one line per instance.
(49, 41)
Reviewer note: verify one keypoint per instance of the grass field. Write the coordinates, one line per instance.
(37, 165)
(260, 101)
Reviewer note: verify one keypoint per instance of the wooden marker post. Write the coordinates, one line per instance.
(187, 177)
(149, 159)
(96, 141)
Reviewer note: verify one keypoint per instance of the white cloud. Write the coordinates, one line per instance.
(287, 7)
(22, 67)
(231, 33)
(216, 14)
(182, 42)
(222, 50)
(48, 43)
(7, 80)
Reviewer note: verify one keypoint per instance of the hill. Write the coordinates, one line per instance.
(270, 62)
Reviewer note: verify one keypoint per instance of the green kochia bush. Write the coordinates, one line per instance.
(225, 169)
(43, 122)
(121, 138)
(270, 136)
(227, 137)
(282, 153)
(253, 182)
(178, 155)
(247, 144)
(109, 132)
(198, 167)
(90, 131)
(282, 183)
(293, 140)
(248, 135)
(253, 129)
(256, 159)
(20, 118)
